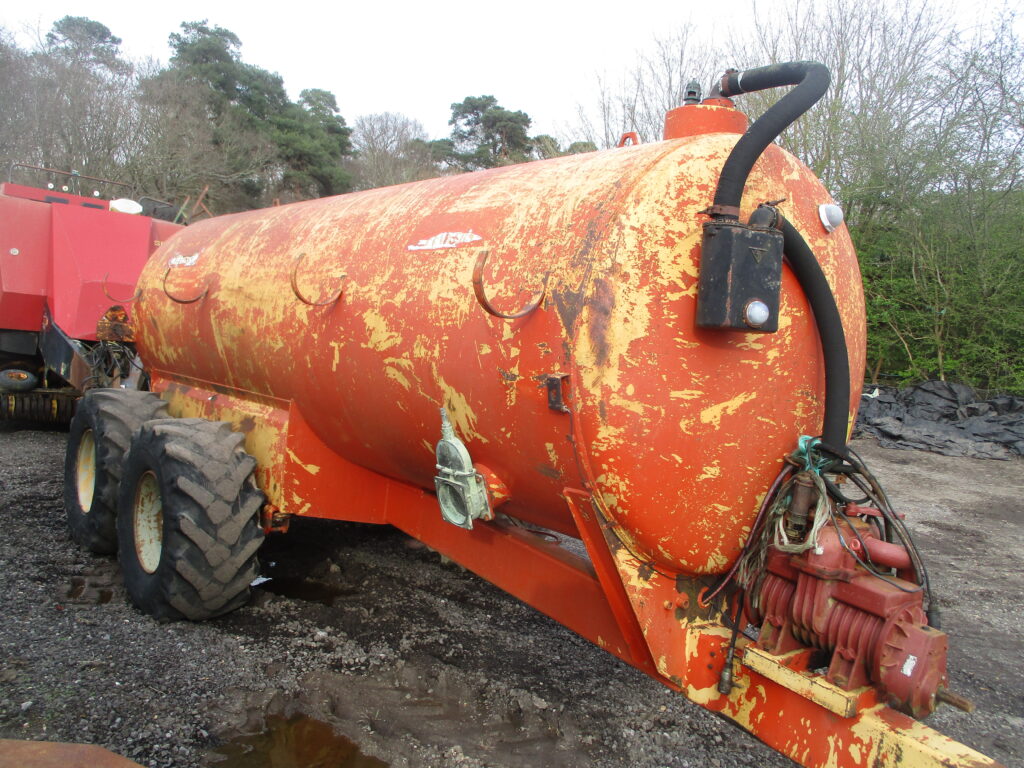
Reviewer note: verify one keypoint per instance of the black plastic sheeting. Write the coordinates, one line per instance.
(943, 417)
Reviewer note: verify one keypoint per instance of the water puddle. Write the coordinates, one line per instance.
(295, 742)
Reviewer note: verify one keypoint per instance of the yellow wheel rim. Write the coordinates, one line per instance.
(85, 470)
(148, 522)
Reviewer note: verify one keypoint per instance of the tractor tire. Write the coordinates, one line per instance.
(98, 440)
(18, 376)
(188, 522)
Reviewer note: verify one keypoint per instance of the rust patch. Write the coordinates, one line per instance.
(508, 376)
(549, 471)
(601, 306)
(568, 304)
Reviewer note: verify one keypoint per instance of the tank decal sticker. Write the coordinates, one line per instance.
(444, 240)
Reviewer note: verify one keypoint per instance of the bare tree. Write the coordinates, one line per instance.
(390, 148)
(637, 100)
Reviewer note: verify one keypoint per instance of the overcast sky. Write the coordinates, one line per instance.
(417, 57)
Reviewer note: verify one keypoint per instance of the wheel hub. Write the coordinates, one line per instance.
(148, 522)
(85, 470)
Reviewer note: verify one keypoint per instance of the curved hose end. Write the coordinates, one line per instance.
(811, 79)
(813, 75)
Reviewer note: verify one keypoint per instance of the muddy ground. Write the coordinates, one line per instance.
(423, 664)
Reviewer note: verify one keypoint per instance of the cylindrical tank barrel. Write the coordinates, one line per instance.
(607, 386)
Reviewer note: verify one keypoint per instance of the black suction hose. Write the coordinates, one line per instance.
(811, 80)
(830, 329)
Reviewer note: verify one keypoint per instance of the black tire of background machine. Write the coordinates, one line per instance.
(111, 416)
(210, 510)
(18, 368)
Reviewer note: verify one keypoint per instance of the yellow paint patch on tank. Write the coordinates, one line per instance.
(312, 469)
(511, 390)
(855, 753)
(483, 349)
(396, 375)
(677, 457)
(684, 343)
(336, 347)
(711, 471)
(608, 436)
(751, 341)
(716, 563)
(460, 412)
(613, 482)
(713, 414)
(298, 506)
(634, 406)
(421, 350)
(381, 337)
(552, 454)
(686, 394)
(617, 315)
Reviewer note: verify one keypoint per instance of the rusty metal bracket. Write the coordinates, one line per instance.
(481, 294)
(273, 520)
(298, 294)
(731, 211)
(554, 384)
(135, 296)
(175, 299)
(628, 138)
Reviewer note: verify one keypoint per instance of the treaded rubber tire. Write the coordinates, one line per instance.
(110, 416)
(210, 528)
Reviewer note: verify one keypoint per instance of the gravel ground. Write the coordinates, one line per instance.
(421, 663)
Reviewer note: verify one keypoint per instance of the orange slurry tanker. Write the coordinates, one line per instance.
(655, 349)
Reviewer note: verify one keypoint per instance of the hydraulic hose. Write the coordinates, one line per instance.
(811, 80)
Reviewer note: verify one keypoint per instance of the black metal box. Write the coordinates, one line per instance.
(739, 266)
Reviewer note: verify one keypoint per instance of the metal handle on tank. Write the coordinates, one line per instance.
(298, 294)
(175, 299)
(481, 295)
(135, 296)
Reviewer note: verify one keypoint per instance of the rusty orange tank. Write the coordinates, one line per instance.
(607, 346)
(675, 430)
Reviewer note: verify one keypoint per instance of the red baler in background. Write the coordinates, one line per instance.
(67, 253)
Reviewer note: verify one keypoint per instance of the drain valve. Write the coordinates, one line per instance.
(461, 491)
